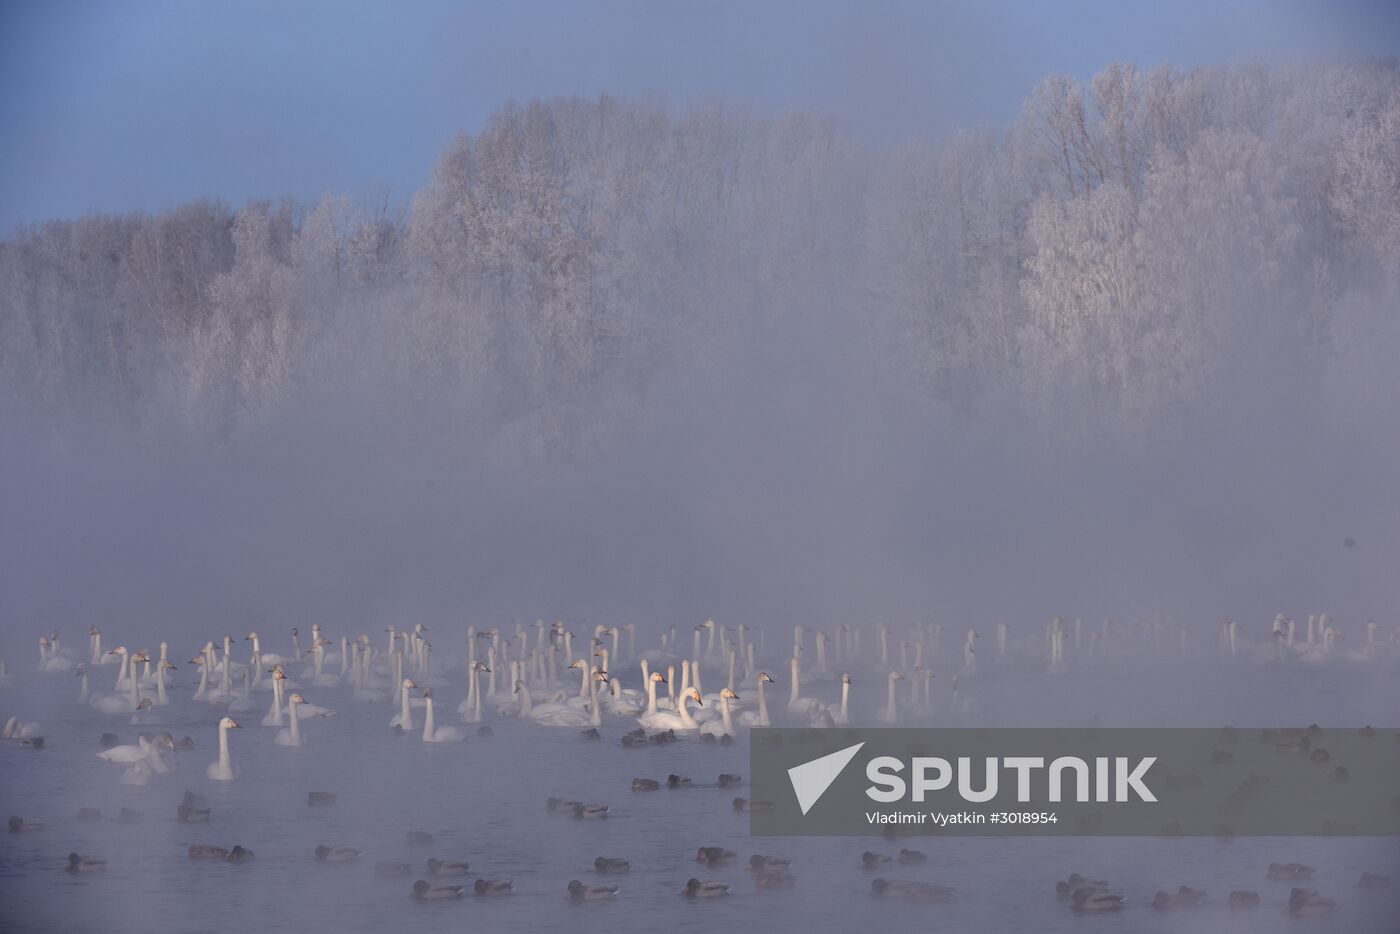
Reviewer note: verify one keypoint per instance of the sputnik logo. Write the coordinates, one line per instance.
(810, 780)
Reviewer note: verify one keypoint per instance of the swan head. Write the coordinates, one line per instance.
(82, 670)
(845, 679)
(409, 683)
(658, 678)
(428, 692)
(578, 663)
(766, 677)
(278, 674)
(140, 657)
(250, 636)
(145, 703)
(694, 695)
(730, 695)
(228, 723)
(296, 699)
(478, 666)
(93, 630)
(896, 676)
(119, 650)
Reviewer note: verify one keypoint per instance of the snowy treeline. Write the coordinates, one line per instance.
(1128, 249)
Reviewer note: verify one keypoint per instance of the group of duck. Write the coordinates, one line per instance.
(1095, 895)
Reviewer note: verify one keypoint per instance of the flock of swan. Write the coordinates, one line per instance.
(550, 676)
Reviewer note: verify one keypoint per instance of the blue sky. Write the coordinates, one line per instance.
(119, 106)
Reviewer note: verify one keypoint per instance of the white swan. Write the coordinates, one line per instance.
(306, 710)
(652, 681)
(890, 712)
(269, 658)
(623, 703)
(161, 698)
(432, 733)
(843, 716)
(19, 729)
(291, 735)
(126, 702)
(141, 770)
(125, 755)
(470, 709)
(680, 719)
(222, 770)
(244, 701)
(274, 716)
(797, 703)
(581, 699)
(565, 714)
(724, 726)
(50, 658)
(760, 718)
(404, 718)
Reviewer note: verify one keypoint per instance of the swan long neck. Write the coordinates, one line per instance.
(597, 717)
(892, 698)
(121, 673)
(651, 693)
(296, 725)
(583, 685)
(476, 693)
(695, 675)
(428, 725)
(762, 701)
(223, 748)
(160, 684)
(405, 712)
(796, 677)
(684, 712)
(733, 660)
(724, 713)
(845, 698)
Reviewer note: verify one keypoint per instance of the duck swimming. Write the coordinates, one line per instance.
(438, 867)
(421, 889)
(579, 892)
(492, 887)
(606, 864)
(697, 889)
(337, 854)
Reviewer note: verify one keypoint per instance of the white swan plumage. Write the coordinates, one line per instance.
(291, 735)
(432, 733)
(222, 769)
